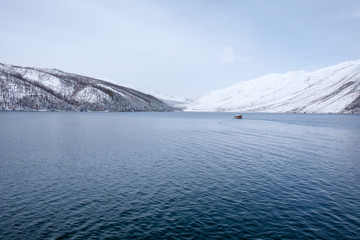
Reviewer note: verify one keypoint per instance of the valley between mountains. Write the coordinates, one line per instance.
(334, 89)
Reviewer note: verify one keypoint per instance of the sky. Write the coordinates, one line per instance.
(187, 47)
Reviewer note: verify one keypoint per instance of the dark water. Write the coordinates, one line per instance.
(179, 176)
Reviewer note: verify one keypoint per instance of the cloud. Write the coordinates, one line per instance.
(227, 55)
(355, 13)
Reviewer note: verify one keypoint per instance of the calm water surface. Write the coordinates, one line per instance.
(179, 176)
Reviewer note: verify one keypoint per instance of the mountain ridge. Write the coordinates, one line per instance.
(334, 89)
(37, 89)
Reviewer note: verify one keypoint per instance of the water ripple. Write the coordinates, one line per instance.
(179, 176)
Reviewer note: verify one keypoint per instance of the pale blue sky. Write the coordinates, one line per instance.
(184, 47)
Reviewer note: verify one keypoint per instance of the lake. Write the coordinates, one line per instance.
(179, 175)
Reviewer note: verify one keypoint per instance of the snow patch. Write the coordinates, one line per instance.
(91, 95)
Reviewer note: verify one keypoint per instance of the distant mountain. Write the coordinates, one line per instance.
(172, 100)
(334, 89)
(35, 89)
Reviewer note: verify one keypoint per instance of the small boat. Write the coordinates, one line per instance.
(238, 116)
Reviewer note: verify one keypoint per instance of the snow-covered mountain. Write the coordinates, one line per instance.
(334, 89)
(172, 100)
(25, 88)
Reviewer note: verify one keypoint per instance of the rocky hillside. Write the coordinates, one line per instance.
(334, 89)
(35, 89)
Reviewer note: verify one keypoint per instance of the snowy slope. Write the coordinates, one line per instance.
(334, 89)
(54, 90)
